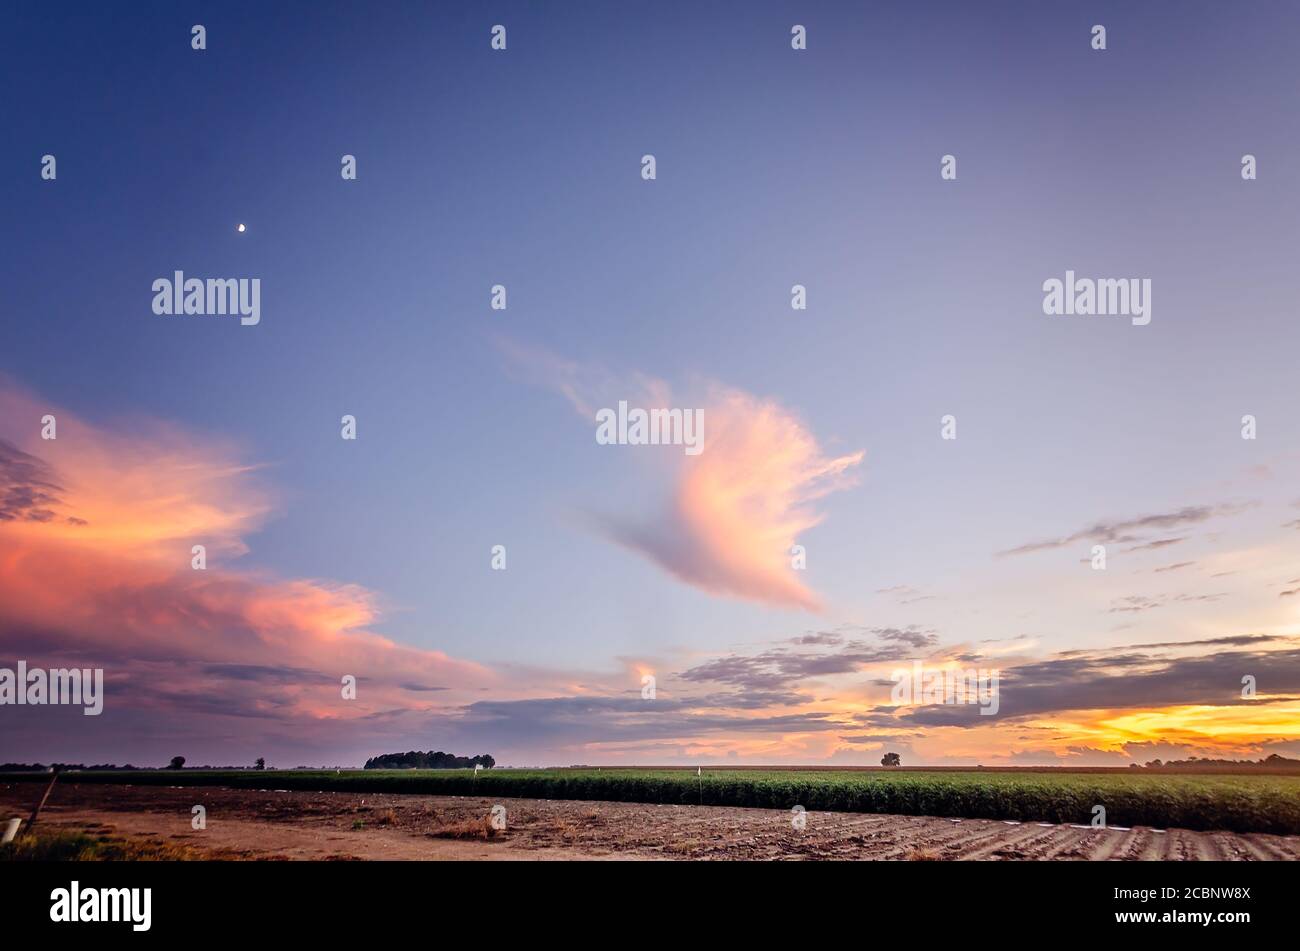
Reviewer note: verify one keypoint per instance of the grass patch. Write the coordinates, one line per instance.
(48, 844)
(465, 829)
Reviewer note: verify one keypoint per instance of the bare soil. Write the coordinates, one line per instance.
(277, 824)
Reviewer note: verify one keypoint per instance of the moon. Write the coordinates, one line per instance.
(240, 229)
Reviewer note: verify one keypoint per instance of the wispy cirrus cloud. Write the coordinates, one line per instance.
(1131, 530)
(1137, 603)
(1157, 544)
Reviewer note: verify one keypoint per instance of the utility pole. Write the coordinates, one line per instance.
(41, 805)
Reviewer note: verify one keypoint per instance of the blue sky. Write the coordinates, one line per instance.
(775, 167)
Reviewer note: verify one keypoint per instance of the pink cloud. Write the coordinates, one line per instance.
(96, 530)
(735, 510)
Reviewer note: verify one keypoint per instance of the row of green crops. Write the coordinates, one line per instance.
(1229, 802)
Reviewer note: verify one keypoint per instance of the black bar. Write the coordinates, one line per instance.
(472, 901)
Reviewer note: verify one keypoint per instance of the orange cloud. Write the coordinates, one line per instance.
(735, 510)
(140, 489)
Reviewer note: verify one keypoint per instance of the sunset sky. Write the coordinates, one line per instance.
(775, 167)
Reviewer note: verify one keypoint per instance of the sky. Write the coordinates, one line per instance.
(373, 557)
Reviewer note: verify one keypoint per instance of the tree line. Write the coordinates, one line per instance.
(430, 760)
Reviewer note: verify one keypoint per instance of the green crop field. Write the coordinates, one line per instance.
(1235, 802)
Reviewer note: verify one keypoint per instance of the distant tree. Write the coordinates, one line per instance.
(177, 762)
(260, 764)
(433, 759)
(891, 759)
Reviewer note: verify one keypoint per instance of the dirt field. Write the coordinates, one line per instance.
(244, 824)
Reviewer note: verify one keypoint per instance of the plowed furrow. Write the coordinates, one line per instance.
(1015, 840)
(1274, 846)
